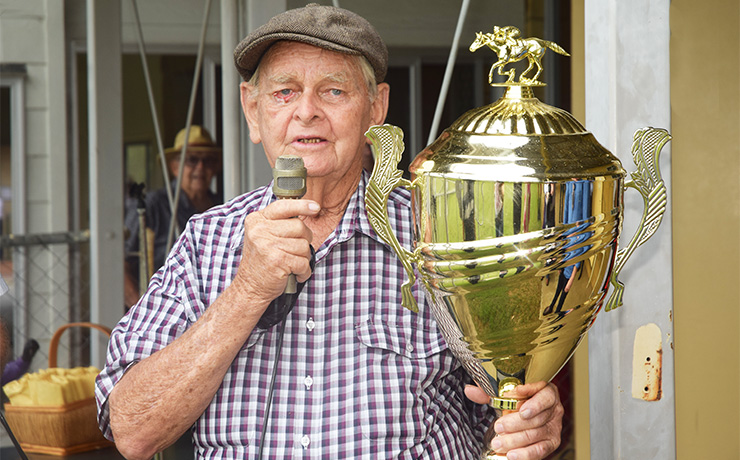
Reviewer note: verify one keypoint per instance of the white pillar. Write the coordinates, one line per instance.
(627, 88)
(105, 122)
(258, 169)
(232, 118)
(58, 286)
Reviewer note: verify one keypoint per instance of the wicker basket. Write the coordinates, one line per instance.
(58, 430)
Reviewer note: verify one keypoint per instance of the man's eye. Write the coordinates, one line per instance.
(336, 92)
(284, 94)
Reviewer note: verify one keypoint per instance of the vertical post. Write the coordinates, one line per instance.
(232, 120)
(59, 275)
(258, 169)
(18, 200)
(57, 142)
(106, 165)
(414, 143)
(627, 88)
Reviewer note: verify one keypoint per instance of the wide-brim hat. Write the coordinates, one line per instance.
(199, 139)
(327, 27)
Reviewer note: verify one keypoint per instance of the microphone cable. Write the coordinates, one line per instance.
(277, 312)
(268, 406)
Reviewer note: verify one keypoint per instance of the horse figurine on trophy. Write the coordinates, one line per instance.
(504, 42)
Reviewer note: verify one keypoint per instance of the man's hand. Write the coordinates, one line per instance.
(276, 245)
(532, 432)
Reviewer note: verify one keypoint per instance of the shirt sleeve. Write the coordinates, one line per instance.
(164, 313)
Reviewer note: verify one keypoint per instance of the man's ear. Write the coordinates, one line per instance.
(380, 104)
(249, 107)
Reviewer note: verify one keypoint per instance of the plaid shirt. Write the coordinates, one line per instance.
(359, 376)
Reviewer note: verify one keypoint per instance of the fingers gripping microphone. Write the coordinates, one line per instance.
(289, 182)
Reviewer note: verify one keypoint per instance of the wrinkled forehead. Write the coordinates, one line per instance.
(286, 59)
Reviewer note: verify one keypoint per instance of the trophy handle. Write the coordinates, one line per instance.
(387, 146)
(646, 147)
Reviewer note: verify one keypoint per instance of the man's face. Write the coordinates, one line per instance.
(200, 166)
(313, 103)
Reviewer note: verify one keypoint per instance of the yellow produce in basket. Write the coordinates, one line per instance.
(52, 387)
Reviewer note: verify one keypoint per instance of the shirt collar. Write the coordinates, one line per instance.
(354, 220)
(355, 216)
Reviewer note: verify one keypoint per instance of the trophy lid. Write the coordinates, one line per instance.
(517, 138)
(518, 112)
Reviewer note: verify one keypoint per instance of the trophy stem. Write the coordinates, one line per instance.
(502, 405)
(491, 455)
(488, 453)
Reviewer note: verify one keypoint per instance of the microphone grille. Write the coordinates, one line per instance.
(289, 162)
(290, 183)
(289, 177)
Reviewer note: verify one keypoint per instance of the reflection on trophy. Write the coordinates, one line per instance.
(518, 212)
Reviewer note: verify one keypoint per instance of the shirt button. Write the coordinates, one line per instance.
(310, 324)
(305, 441)
(308, 381)
(409, 347)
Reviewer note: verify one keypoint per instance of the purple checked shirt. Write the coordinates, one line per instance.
(359, 376)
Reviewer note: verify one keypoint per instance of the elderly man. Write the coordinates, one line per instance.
(360, 376)
(202, 162)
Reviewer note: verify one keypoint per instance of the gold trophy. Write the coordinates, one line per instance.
(517, 212)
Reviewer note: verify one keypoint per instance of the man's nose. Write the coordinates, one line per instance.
(308, 107)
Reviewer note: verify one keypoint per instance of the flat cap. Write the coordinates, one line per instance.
(327, 27)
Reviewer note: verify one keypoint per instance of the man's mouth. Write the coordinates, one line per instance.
(310, 140)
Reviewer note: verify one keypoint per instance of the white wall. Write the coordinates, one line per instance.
(627, 88)
(32, 33)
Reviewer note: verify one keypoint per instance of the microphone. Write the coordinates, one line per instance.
(289, 182)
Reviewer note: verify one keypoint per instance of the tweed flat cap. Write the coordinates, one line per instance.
(327, 27)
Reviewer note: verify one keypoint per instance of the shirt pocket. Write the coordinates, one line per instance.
(399, 366)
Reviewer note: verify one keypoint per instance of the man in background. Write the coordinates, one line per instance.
(202, 163)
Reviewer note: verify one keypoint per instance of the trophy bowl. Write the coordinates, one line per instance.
(517, 213)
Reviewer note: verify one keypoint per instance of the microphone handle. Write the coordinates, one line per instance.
(289, 182)
(292, 286)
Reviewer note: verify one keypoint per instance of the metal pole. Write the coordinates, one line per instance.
(448, 72)
(189, 121)
(152, 105)
(143, 251)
